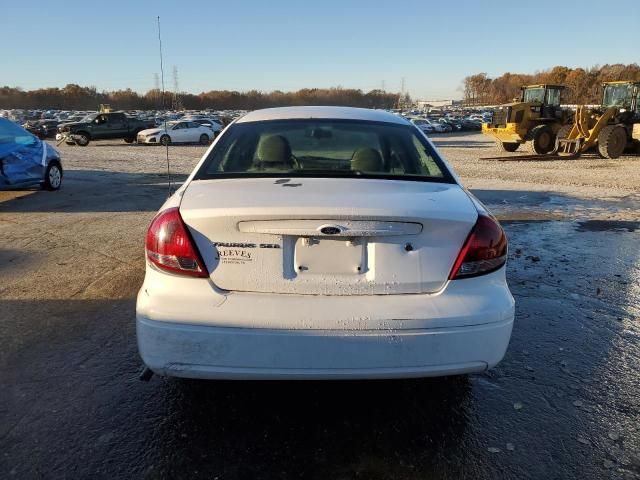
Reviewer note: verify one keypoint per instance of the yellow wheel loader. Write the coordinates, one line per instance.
(534, 121)
(612, 127)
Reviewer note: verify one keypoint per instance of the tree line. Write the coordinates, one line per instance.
(583, 85)
(75, 97)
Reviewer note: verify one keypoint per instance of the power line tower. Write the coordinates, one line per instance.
(156, 89)
(402, 99)
(177, 105)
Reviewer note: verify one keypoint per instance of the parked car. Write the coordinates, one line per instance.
(25, 160)
(102, 126)
(216, 127)
(437, 125)
(177, 132)
(42, 128)
(447, 128)
(456, 125)
(422, 124)
(472, 124)
(323, 242)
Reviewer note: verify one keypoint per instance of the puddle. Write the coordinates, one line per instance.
(607, 226)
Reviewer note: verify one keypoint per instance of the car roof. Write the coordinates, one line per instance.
(328, 113)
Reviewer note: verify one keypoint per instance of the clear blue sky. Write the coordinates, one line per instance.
(287, 45)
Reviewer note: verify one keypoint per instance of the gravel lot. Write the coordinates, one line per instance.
(618, 177)
(565, 402)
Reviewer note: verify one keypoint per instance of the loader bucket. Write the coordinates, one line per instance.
(569, 147)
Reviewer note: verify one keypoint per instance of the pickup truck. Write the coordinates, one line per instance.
(103, 126)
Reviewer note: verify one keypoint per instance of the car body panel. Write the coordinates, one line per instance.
(191, 351)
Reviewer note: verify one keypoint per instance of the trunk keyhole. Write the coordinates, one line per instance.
(408, 247)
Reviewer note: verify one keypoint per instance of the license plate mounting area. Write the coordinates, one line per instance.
(321, 256)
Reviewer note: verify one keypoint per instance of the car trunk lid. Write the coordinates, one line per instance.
(328, 236)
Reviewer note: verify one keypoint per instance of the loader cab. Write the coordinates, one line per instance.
(544, 100)
(548, 95)
(621, 95)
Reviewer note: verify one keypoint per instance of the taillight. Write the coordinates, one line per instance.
(484, 251)
(170, 247)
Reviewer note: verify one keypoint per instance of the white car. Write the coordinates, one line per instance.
(424, 125)
(438, 126)
(319, 243)
(208, 122)
(177, 132)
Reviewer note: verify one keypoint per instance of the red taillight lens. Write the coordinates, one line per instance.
(170, 248)
(484, 251)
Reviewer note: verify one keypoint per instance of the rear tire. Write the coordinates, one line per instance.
(165, 140)
(540, 140)
(128, 140)
(507, 146)
(53, 176)
(612, 140)
(204, 139)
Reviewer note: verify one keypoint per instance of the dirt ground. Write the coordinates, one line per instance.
(565, 402)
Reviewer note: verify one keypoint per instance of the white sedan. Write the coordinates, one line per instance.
(177, 132)
(437, 126)
(213, 124)
(318, 243)
(422, 124)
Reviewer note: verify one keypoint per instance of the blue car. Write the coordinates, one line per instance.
(25, 160)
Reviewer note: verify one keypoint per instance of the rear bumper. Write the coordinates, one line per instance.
(188, 329)
(195, 351)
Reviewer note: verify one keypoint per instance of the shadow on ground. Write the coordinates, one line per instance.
(96, 191)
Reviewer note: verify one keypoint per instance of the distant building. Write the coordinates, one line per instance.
(427, 104)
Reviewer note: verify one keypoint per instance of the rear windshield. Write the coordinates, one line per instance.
(323, 148)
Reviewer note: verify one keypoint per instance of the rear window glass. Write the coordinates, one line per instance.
(323, 148)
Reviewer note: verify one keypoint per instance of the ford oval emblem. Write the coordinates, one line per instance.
(329, 230)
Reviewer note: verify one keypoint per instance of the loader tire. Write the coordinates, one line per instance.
(507, 146)
(564, 131)
(612, 141)
(540, 140)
